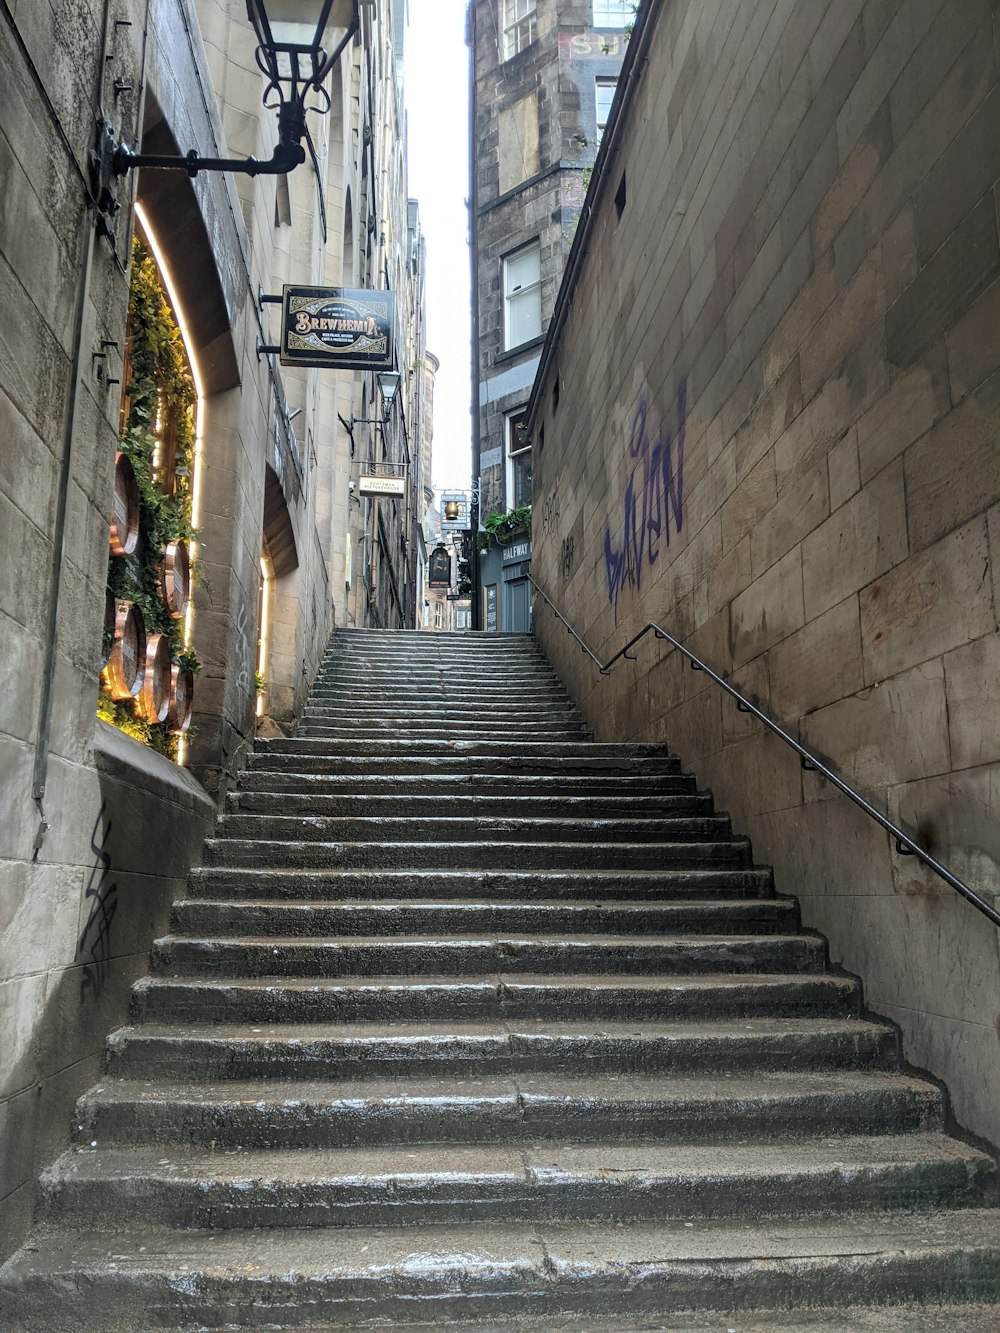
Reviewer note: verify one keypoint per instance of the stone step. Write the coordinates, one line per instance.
(463, 805)
(308, 759)
(480, 855)
(471, 956)
(551, 752)
(454, 675)
(513, 997)
(661, 885)
(488, 703)
(306, 919)
(669, 1109)
(119, 1188)
(455, 828)
(463, 1048)
(443, 725)
(379, 731)
(437, 710)
(528, 787)
(338, 1277)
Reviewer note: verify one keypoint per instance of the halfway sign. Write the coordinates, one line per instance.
(336, 328)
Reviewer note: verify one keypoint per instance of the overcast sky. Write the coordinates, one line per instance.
(436, 80)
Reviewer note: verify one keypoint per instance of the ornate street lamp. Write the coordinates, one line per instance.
(388, 383)
(299, 42)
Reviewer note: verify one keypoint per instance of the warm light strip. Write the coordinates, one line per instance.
(161, 264)
(265, 626)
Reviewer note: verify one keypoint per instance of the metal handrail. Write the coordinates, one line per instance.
(905, 846)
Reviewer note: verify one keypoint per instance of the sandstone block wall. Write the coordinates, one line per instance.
(777, 433)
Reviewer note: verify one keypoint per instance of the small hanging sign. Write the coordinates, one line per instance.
(439, 568)
(337, 328)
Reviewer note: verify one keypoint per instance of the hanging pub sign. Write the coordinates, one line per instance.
(336, 328)
(439, 568)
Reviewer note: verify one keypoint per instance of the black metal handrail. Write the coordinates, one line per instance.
(905, 846)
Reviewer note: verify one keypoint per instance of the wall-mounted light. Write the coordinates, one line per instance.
(299, 42)
(388, 385)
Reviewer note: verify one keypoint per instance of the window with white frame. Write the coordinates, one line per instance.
(522, 296)
(613, 13)
(518, 461)
(519, 26)
(605, 95)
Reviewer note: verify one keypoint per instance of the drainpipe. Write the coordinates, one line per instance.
(474, 515)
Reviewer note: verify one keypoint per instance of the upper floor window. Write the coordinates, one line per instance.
(605, 91)
(613, 13)
(518, 461)
(522, 296)
(519, 26)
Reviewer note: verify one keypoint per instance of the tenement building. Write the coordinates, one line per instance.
(184, 513)
(766, 420)
(544, 75)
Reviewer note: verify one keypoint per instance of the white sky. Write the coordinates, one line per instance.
(436, 89)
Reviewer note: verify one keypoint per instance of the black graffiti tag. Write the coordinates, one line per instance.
(102, 894)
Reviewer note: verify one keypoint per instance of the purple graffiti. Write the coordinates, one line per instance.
(655, 492)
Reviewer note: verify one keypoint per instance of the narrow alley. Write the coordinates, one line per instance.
(499, 659)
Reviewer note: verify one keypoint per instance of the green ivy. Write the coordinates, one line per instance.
(499, 527)
(160, 387)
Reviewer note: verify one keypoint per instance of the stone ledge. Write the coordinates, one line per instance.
(123, 759)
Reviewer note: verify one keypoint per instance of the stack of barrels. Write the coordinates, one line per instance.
(136, 665)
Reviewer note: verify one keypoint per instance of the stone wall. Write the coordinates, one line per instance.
(89, 868)
(776, 434)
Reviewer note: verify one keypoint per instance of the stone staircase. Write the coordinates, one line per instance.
(470, 1019)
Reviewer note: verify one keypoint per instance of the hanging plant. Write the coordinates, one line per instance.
(158, 438)
(498, 528)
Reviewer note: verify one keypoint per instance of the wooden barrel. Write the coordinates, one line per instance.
(175, 579)
(153, 702)
(181, 698)
(126, 664)
(124, 508)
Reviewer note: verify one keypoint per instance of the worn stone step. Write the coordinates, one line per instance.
(463, 804)
(202, 917)
(904, 1318)
(505, 996)
(671, 1109)
(671, 884)
(434, 712)
(83, 1279)
(118, 1188)
(445, 726)
(357, 781)
(507, 703)
(307, 759)
(455, 676)
(378, 731)
(470, 956)
(551, 752)
(463, 1049)
(455, 828)
(480, 855)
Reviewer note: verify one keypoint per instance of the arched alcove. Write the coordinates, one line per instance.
(168, 199)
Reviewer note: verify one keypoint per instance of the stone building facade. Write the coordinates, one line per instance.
(766, 418)
(98, 832)
(543, 76)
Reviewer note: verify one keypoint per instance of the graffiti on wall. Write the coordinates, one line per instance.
(243, 677)
(102, 895)
(654, 498)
